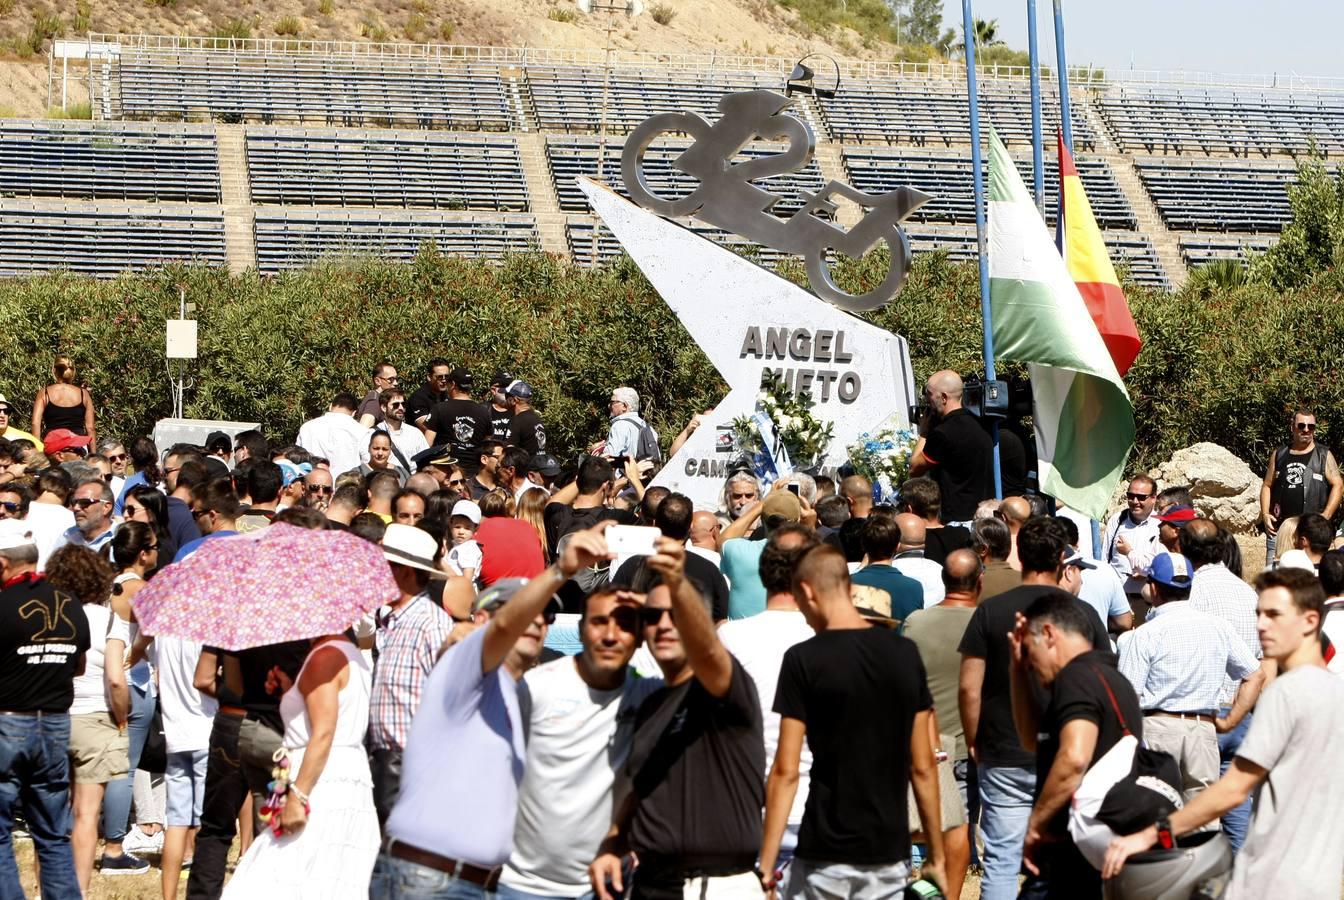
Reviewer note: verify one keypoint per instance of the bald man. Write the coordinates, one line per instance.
(909, 559)
(953, 450)
(704, 537)
(1014, 511)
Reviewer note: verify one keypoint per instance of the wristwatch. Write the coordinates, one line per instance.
(1165, 838)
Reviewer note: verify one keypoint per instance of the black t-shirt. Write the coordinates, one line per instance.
(939, 542)
(255, 664)
(43, 635)
(987, 637)
(462, 425)
(499, 422)
(1288, 494)
(698, 770)
(223, 692)
(702, 573)
(527, 431)
(1079, 693)
(963, 464)
(561, 519)
(857, 691)
(421, 403)
(370, 406)
(1012, 463)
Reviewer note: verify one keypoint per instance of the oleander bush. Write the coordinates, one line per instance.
(1219, 363)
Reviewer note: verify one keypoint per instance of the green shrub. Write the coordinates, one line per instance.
(44, 28)
(233, 30)
(569, 16)
(71, 111)
(289, 25)
(662, 13)
(326, 7)
(83, 19)
(415, 29)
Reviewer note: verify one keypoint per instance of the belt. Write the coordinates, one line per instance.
(486, 878)
(233, 711)
(1200, 716)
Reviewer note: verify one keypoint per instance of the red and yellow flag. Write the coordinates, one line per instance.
(1091, 269)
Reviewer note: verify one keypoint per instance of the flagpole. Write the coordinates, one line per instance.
(1063, 76)
(1037, 150)
(978, 176)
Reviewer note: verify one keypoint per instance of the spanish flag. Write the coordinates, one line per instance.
(1091, 269)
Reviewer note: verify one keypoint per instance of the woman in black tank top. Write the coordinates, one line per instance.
(53, 409)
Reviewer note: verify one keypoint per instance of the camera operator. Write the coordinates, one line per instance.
(953, 449)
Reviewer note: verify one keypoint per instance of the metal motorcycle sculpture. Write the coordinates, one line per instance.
(726, 198)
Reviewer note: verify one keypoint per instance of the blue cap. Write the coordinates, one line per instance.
(1172, 570)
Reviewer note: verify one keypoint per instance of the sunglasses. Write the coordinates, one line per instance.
(197, 513)
(440, 377)
(396, 404)
(9, 507)
(120, 457)
(318, 488)
(651, 616)
(1306, 426)
(626, 618)
(455, 482)
(131, 510)
(150, 547)
(1133, 496)
(84, 502)
(4, 410)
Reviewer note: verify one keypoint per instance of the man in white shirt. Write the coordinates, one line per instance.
(48, 516)
(909, 559)
(579, 732)
(1131, 540)
(704, 537)
(406, 439)
(759, 643)
(91, 505)
(335, 435)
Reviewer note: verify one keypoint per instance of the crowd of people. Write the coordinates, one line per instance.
(803, 692)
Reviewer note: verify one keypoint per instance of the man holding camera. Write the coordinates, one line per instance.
(953, 450)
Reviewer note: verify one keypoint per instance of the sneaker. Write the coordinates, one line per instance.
(125, 864)
(136, 841)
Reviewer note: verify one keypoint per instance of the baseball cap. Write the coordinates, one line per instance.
(502, 591)
(520, 389)
(15, 533)
(1172, 570)
(460, 377)
(291, 471)
(467, 509)
(63, 439)
(1297, 559)
(4, 401)
(545, 464)
(1178, 516)
(501, 378)
(782, 506)
(1076, 558)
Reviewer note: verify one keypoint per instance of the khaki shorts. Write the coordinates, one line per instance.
(952, 813)
(99, 751)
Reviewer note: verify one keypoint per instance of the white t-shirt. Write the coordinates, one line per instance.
(759, 643)
(90, 688)
(927, 572)
(49, 523)
(578, 741)
(188, 715)
(466, 555)
(1295, 843)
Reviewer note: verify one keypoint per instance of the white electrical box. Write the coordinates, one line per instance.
(181, 339)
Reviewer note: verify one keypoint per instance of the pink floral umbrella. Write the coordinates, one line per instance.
(282, 583)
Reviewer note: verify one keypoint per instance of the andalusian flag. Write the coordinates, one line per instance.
(1090, 266)
(1083, 418)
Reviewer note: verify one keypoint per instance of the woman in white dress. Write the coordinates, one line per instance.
(328, 852)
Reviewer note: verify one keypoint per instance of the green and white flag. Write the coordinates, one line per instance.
(1083, 417)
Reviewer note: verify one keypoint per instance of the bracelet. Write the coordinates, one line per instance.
(294, 789)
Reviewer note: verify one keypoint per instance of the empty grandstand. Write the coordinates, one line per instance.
(1218, 194)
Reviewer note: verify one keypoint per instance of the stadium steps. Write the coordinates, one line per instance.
(1105, 143)
(240, 248)
(1165, 243)
(520, 105)
(831, 159)
(542, 197)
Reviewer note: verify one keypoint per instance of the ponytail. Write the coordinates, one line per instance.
(63, 369)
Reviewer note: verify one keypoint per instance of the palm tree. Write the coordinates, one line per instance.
(986, 35)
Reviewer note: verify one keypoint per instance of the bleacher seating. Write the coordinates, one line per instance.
(948, 178)
(1242, 122)
(1198, 250)
(412, 169)
(106, 239)
(923, 113)
(571, 157)
(287, 239)
(569, 98)
(1218, 194)
(1131, 251)
(580, 235)
(108, 160)
(347, 90)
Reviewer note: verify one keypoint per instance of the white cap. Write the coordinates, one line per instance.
(469, 509)
(1297, 559)
(15, 533)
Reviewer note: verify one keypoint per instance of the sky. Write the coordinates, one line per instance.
(1223, 36)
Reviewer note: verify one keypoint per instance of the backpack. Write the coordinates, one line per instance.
(648, 444)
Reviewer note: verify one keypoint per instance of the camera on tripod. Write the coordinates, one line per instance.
(984, 400)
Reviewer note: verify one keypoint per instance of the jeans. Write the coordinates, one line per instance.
(1065, 875)
(225, 790)
(400, 879)
(504, 892)
(1005, 808)
(385, 766)
(820, 880)
(257, 743)
(35, 776)
(1237, 819)
(117, 799)
(968, 784)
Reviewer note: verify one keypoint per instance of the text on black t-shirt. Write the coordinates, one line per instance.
(43, 634)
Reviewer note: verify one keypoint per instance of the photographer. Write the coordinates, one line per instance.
(953, 450)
